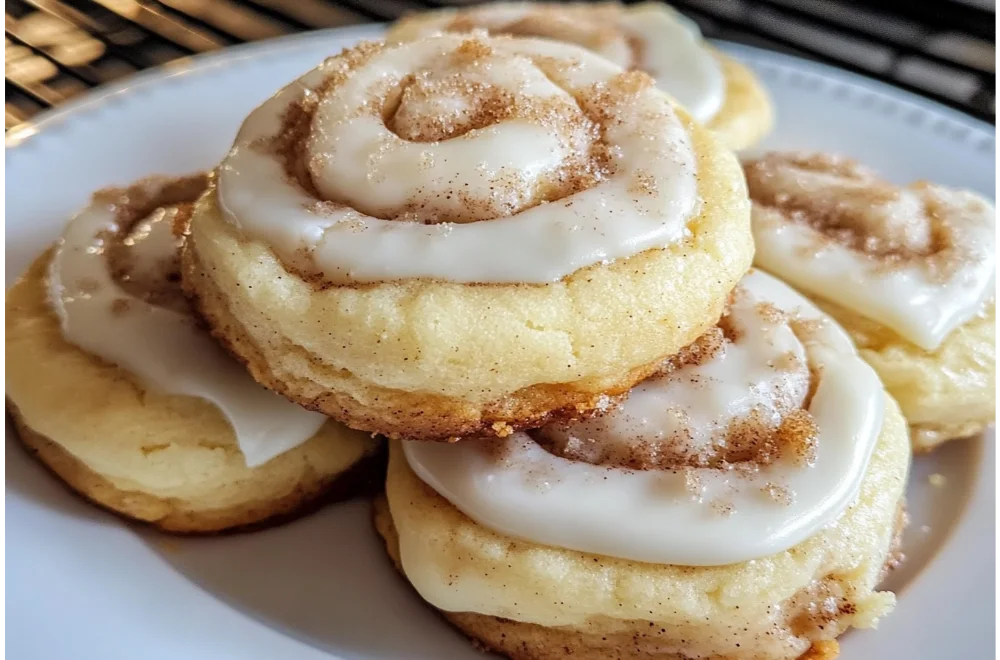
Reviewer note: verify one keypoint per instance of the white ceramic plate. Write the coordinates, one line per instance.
(80, 584)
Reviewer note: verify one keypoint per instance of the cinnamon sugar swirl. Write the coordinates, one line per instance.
(717, 90)
(742, 504)
(909, 271)
(465, 235)
(115, 387)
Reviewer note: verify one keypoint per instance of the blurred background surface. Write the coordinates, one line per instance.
(57, 49)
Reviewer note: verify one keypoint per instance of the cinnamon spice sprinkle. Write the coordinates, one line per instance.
(595, 27)
(643, 184)
(723, 508)
(848, 205)
(700, 351)
(806, 329)
(472, 51)
(778, 494)
(137, 209)
(787, 362)
(770, 313)
(747, 443)
(693, 483)
(798, 434)
(445, 103)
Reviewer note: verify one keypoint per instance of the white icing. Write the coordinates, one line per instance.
(650, 515)
(923, 307)
(152, 243)
(690, 411)
(353, 156)
(671, 46)
(672, 51)
(162, 348)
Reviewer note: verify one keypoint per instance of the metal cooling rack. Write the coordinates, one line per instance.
(56, 49)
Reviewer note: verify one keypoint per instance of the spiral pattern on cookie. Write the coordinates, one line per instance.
(461, 158)
(648, 37)
(919, 259)
(749, 441)
(114, 284)
(735, 398)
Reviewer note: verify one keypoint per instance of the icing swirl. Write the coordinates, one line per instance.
(919, 259)
(461, 158)
(749, 442)
(114, 283)
(648, 36)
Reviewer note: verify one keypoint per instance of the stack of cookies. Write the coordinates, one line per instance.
(527, 268)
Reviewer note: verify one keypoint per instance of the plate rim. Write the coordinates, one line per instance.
(231, 55)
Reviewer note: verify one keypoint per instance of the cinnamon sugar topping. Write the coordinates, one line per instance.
(770, 313)
(595, 27)
(789, 184)
(778, 494)
(666, 424)
(919, 259)
(447, 103)
(797, 436)
(700, 351)
(850, 206)
(572, 154)
(113, 282)
(721, 458)
(144, 252)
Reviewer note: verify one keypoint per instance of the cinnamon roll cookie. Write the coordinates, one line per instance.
(908, 271)
(114, 387)
(744, 504)
(714, 88)
(466, 235)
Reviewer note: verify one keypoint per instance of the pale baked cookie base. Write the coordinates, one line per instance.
(401, 414)
(434, 360)
(169, 461)
(600, 607)
(944, 394)
(528, 641)
(747, 114)
(179, 516)
(927, 437)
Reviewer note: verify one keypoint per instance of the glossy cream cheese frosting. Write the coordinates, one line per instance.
(671, 49)
(146, 330)
(461, 158)
(739, 451)
(732, 468)
(919, 259)
(649, 36)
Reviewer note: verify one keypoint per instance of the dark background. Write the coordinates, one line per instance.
(56, 49)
